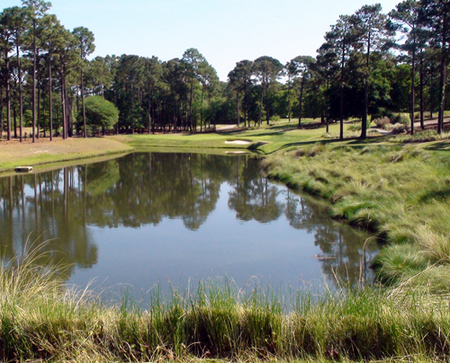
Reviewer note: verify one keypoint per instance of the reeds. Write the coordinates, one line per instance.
(42, 321)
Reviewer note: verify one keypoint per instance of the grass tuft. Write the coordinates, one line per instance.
(42, 321)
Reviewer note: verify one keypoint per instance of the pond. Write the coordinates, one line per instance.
(173, 219)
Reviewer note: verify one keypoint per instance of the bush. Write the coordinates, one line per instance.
(399, 128)
(401, 119)
(275, 118)
(354, 127)
(380, 122)
(100, 113)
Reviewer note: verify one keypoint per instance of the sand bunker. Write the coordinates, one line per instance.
(237, 152)
(238, 142)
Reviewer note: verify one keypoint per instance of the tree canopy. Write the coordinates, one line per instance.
(371, 64)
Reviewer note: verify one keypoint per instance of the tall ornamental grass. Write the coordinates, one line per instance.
(400, 192)
(40, 320)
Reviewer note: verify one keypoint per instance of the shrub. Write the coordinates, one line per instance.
(399, 129)
(275, 118)
(401, 119)
(380, 122)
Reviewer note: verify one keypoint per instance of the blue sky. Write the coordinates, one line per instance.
(224, 31)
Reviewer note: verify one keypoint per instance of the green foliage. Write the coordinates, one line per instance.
(100, 113)
(401, 119)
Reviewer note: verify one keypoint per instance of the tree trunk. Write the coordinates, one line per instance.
(201, 112)
(82, 105)
(132, 109)
(300, 105)
(443, 74)
(237, 110)
(69, 113)
(150, 110)
(33, 96)
(63, 105)
(261, 104)
(191, 97)
(289, 99)
(50, 105)
(20, 89)
(431, 105)
(421, 93)
(15, 122)
(8, 99)
(38, 119)
(413, 78)
(366, 94)
(1, 113)
(328, 108)
(341, 101)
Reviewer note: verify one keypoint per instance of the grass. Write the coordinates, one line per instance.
(264, 140)
(40, 320)
(13, 153)
(400, 192)
(398, 187)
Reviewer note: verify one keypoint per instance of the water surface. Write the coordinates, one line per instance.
(170, 218)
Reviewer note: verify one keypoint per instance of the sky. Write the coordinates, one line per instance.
(223, 31)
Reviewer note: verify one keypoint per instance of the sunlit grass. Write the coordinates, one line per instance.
(17, 154)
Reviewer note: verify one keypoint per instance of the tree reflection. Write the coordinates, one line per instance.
(253, 197)
(146, 188)
(342, 247)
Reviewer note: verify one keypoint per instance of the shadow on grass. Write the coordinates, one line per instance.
(436, 195)
(442, 146)
(354, 143)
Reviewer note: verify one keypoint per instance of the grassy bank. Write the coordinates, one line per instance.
(264, 140)
(40, 320)
(14, 153)
(398, 190)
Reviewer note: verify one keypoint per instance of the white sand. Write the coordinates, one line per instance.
(238, 142)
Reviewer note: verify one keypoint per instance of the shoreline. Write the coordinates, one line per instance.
(390, 185)
(40, 154)
(381, 183)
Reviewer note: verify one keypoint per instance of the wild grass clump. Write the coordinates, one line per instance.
(401, 119)
(421, 136)
(381, 121)
(41, 321)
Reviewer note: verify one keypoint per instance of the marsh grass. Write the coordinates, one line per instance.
(40, 320)
(400, 192)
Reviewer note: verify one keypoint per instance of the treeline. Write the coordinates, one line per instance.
(371, 63)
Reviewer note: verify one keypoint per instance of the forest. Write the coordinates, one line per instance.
(388, 67)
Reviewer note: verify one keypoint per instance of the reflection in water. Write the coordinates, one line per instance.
(119, 220)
